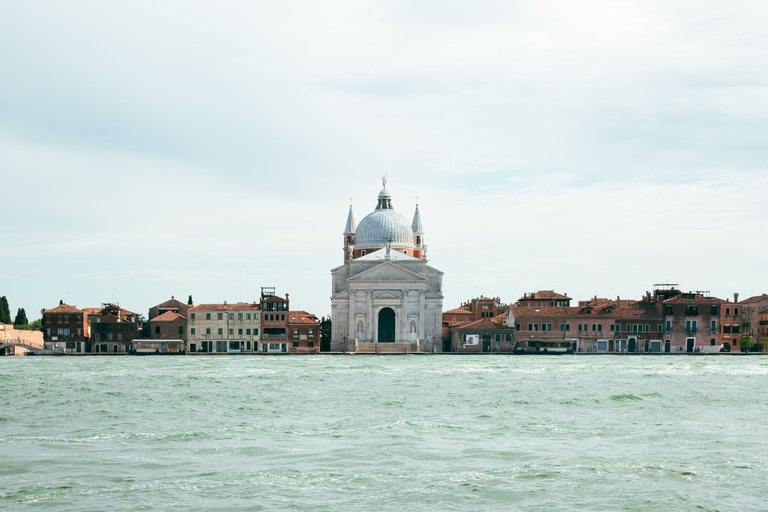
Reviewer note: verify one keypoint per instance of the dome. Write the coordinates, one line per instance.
(381, 226)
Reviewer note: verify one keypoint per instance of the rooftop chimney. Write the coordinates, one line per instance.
(735, 297)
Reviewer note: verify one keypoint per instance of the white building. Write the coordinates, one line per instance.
(385, 293)
(223, 328)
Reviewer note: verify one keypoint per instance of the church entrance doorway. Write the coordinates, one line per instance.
(386, 325)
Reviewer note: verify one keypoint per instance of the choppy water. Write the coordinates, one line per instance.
(387, 433)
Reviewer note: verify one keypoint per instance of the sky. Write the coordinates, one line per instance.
(175, 148)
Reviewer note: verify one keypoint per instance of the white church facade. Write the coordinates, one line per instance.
(385, 297)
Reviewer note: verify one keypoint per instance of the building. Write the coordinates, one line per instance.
(385, 292)
(223, 328)
(274, 319)
(170, 325)
(8, 334)
(483, 335)
(112, 329)
(305, 331)
(731, 324)
(761, 333)
(475, 309)
(691, 320)
(596, 325)
(750, 310)
(544, 299)
(66, 329)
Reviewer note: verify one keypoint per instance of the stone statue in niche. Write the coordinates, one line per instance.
(359, 326)
(413, 325)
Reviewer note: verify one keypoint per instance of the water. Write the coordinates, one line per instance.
(386, 433)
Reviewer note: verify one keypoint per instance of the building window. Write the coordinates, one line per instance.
(735, 311)
(208, 331)
(221, 331)
(658, 328)
(220, 316)
(295, 344)
(362, 253)
(669, 325)
(713, 310)
(311, 331)
(295, 333)
(498, 337)
(239, 316)
(282, 317)
(231, 316)
(599, 327)
(579, 327)
(247, 316)
(192, 331)
(667, 310)
(239, 332)
(157, 329)
(714, 326)
(562, 327)
(647, 327)
(207, 316)
(255, 332)
(109, 337)
(191, 316)
(98, 336)
(248, 332)
(231, 332)
(727, 311)
(120, 336)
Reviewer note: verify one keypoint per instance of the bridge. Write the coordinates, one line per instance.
(34, 350)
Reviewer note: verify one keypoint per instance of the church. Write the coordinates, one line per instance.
(385, 298)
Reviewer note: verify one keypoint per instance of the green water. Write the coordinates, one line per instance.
(385, 433)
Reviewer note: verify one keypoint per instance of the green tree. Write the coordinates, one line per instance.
(21, 318)
(189, 301)
(61, 302)
(36, 325)
(5, 311)
(745, 341)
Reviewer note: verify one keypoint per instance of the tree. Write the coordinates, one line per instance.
(189, 301)
(745, 341)
(61, 302)
(5, 311)
(36, 325)
(21, 318)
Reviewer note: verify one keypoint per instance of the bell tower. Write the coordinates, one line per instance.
(349, 235)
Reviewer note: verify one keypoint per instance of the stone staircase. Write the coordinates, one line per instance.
(385, 348)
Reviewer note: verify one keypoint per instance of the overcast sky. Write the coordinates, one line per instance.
(150, 149)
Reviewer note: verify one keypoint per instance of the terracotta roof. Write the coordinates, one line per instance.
(92, 311)
(637, 309)
(169, 316)
(301, 317)
(458, 311)
(171, 303)
(545, 294)
(483, 323)
(64, 308)
(222, 307)
(756, 298)
(697, 298)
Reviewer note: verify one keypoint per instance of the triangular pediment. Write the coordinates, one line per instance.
(344, 294)
(387, 272)
(388, 294)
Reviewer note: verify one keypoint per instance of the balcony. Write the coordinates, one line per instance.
(690, 330)
(283, 337)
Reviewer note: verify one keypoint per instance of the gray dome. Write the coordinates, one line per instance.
(382, 225)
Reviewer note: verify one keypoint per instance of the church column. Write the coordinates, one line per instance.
(406, 324)
(351, 315)
(369, 323)
(422, 313)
